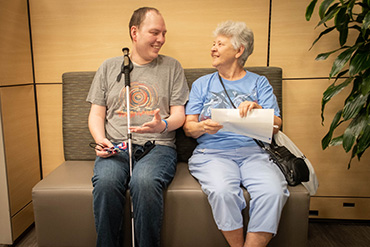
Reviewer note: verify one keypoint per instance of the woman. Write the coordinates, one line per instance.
(224, 160)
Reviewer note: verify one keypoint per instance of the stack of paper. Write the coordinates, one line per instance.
(258, 123)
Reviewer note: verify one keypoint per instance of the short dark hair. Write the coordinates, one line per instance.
(139, 16)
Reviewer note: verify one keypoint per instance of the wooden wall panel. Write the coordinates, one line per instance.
(15, 51)
(22, 220)
(192, 22)
(5, 226)
(50, 120)
(21, 144)
(72, 36)
(78, 35)
(292, 37)
(302, 122)
(340, 208)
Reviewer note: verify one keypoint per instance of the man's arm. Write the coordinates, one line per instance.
(96, 124)
(176, 118)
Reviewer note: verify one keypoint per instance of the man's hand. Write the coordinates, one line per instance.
(101, 149)
(154, 126)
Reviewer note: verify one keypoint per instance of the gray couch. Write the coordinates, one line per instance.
(63, 200)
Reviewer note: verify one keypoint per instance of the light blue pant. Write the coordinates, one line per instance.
(220, 174)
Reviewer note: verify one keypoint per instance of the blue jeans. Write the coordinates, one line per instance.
(150, 177)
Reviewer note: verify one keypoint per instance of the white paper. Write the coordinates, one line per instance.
(258, 123)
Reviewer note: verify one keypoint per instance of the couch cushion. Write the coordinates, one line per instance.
(64, 212)
(76, 134)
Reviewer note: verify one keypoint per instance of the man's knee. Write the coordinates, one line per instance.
(145, 184)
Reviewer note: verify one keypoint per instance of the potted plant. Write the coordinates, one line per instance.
(352, 66)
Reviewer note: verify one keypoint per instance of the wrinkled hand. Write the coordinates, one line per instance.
(154, 126)
(101, 152)
(210, 126)
(246, 107)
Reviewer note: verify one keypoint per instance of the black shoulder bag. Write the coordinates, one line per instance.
(293, 168)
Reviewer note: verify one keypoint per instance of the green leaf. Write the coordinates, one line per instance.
(353, 131)
(341, 18)
(336, 141)
(310, 9)
(341, 23)
(334, 124)
(354, 151)
(323, 7)
(331, 13)
(354, 106)
(342, 73)
(333, 90)
(330, 92)
(365, 86)
(366, 23)
(351, 4)
(356, 27)
(359, 154)
(343, 34)
(326, 31)
(323, 56)
(364, 140)
(356, 84)
(359, 62)
(341, 60)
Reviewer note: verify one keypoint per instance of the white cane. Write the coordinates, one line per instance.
(126, 69)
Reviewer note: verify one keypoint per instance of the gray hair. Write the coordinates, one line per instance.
(240, 35)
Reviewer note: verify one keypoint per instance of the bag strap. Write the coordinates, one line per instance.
(232, 103)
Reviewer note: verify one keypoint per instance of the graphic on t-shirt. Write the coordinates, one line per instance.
(220, 100)
(143, 100)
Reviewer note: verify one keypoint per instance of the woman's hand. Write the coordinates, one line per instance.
(195, 129)
(210, 127)
(246, 107)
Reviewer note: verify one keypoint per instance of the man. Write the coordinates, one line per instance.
(157, 97)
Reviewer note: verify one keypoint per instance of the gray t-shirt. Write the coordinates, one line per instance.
(159, 84)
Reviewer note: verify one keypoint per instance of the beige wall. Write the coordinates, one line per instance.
(71, 35)
(78, 35)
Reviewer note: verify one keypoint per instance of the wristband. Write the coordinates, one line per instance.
(165, 128)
